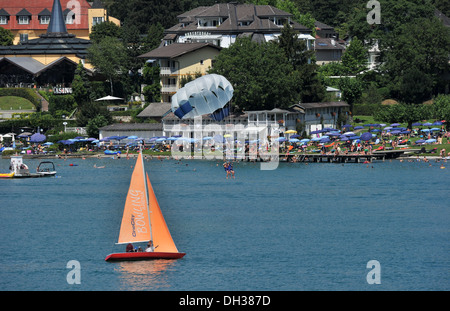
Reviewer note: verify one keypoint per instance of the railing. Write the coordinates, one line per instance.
(168, 71)
(169, 89)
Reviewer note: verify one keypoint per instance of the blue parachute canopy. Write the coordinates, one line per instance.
(207, 95)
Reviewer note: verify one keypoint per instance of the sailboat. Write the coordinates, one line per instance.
(143, 221)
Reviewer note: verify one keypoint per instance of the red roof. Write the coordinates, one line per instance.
(34, 7)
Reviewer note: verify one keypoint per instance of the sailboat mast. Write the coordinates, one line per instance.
(146, 196)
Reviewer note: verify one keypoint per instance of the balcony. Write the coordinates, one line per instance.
(169, 89)
(167, 71)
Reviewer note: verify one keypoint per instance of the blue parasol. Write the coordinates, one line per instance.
(37, 138)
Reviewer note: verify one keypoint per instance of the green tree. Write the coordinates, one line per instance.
(6, 37)
(351, 89)
(416, 69)
(80, 85)
(109, 58)
(94, 124)
(307, 84)
(105, 29)
(151, 77)
(260, 74)
(355, 57)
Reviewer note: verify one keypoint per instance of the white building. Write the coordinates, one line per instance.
(221, 24)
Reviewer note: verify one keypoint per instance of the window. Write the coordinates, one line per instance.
(23, 37)
(97, 20)
(201, 62)
(44, 19)
(70, 18)
(24, 20)
(3, 20)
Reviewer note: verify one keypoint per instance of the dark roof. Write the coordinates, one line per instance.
(49, 44)
(444, 19)
(3, 12)
(32, 66)
(45, 12)
(97, 5)
(233, 14)
(176, 50)
(155, 110)
(57, 23)
(133, 127)
(23, 12)
(327, 44)
(322, 26)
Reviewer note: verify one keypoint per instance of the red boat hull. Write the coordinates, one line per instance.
(143, 256)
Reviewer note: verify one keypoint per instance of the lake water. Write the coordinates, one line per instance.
(299, 227)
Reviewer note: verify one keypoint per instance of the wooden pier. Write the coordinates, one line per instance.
(342, 158)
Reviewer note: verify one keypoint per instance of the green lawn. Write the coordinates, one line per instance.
(15, 103)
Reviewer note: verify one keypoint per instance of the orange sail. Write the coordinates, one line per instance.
(160, 232)
(135, 225)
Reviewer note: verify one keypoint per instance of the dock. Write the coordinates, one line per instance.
(343, 158)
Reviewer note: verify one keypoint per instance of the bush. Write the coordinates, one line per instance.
(61, 102)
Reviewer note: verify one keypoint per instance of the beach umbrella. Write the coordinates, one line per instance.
(349, 133)
(420, 141)
(375, 130)
(427, 124)
(295, 136)
(346, 125)
(395, 124)
(366, 136)
(437, 123)
(316, 132)
(291, 132)
(294, 140)
(48, 144)
(132, 137)
(417, 124)
(429, 141)
(281, 139)
(109, 97)
(425, 130)
(405, 132)
(325, 139)
(435, 129)
(37, 138)
(359, 127)
(304, 140)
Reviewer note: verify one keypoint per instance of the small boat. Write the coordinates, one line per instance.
(142, 221)
(18, 169)
(7, 175)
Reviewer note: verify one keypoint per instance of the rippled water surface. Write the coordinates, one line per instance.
(299, 227)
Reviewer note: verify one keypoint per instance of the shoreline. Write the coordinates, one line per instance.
(156, 156)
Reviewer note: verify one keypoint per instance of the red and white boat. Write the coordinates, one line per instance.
(143, 221)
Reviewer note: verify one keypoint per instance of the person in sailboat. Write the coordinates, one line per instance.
(150, 247)
(130, 248)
